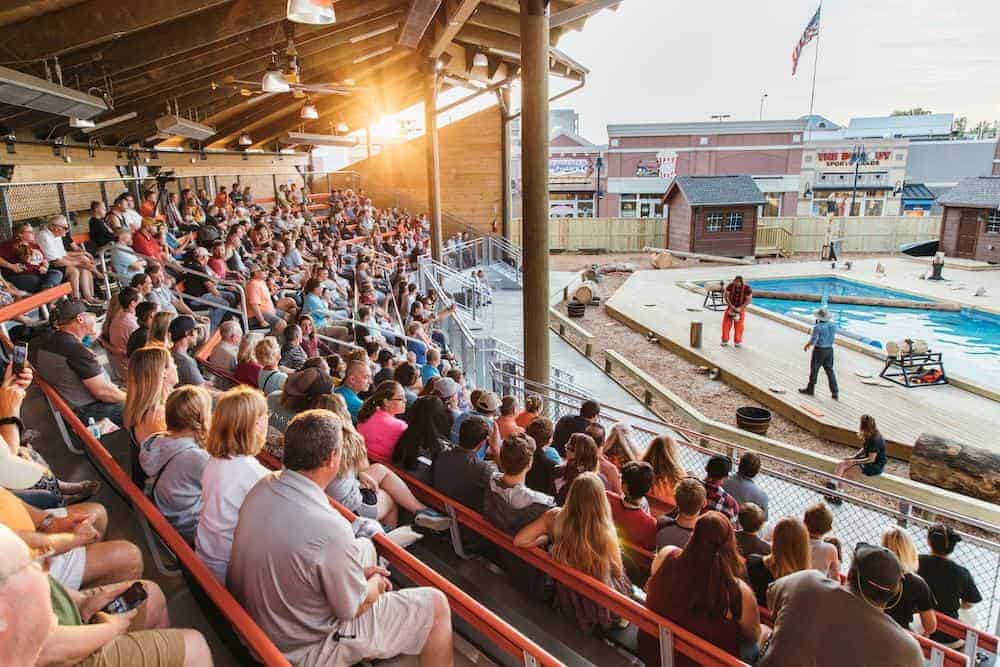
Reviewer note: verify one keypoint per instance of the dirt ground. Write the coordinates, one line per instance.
(714, 398)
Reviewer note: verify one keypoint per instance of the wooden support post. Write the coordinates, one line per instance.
(535, 189)
(368, 142)
(505, 173)
(433, 159)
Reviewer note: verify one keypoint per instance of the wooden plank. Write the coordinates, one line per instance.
(718, 259)
(418, 17)
(580, 11)
(456, 18)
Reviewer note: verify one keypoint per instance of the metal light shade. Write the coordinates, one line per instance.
(274, 82)
(245, 140)
(343, 128)
(314, 12)
(480, 60)
(309, 112)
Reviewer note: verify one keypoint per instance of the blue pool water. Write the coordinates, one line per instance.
(969, 339)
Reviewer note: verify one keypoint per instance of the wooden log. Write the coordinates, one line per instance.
(586, 292)
(860, 300)
(718, 259)
(951, 465)
(662, 260)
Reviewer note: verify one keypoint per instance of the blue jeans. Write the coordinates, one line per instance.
(99, 410)
(216, 315)
(39, 499)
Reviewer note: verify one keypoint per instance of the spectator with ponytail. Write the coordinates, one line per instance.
(952, 585)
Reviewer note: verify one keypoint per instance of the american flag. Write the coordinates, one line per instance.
(811, 31)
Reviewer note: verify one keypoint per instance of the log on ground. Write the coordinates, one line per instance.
(951, 465)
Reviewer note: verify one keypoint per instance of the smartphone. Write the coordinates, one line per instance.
(133, 596)
(19, 357)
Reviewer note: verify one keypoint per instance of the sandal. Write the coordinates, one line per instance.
(77, 492)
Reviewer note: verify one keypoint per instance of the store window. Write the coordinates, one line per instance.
(713, 222)
(993, 222)
(874, 205)
(849, 203)
(640, 206)
(734, 221)
(571, 204)
(772, 204)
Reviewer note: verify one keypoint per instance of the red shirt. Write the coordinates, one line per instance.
(34, 260)
(738, 297)
(147, 245)
(634, 525)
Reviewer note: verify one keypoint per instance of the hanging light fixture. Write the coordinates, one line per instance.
(343, 128)
(309, 111)
(313, 12)
(245, 140)
(480, 60)
(274, 81)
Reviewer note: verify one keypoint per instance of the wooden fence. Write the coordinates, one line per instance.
(861, 234)
(612, 234)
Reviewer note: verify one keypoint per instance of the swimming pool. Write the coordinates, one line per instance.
(969, 339)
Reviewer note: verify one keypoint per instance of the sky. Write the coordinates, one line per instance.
(682, 60)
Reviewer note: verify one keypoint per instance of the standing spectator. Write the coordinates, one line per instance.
(224, 354)
(632, 518)
(916, 597)
(507, 422)
(545, 460)
(821, 340)
(314, 588)
(675, 531)
(237, 434)
(67, 363)
(751, 520)
(742, 486)
(570, 424)
(357, 381)
(789, 553)
(825, 556)
(738, 296)
(532, 410)
(819, 622)
(23, 263)
(378, 420)
(509, 504)
(459, 473)
(953, 587)
(667, 470)
(870, 460)
(716, 498)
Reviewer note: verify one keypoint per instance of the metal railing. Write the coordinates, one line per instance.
(484, 251)
(864, 511)
(473, 300)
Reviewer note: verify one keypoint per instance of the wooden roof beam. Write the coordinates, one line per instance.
(457, 13)
(571, 15)
(418, 18)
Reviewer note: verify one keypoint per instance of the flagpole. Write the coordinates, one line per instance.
(812, 97)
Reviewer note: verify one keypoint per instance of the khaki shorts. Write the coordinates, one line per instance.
(149, 648)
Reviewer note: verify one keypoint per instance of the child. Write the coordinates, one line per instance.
(751, 518)
(293, 356)
(631, 511)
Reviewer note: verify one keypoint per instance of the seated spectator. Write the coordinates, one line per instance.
(583, 537)
(448, 391)
(743, 487)
(620, 447)
(484, 405)
(267, 353)
(825, 556)
(151, 377)
(379, 423)
(174, 461)
(122, 325)
(144, 313)
(570, 424)
(506, 421)
(676, 531)
(509, 503)
(953, 587)
(311, 343)
(23, 263)
(357, 381)
(430, 369)
(261, 309)
(299, 393)
(609, 471)
(916, 597)
(532, 410)
(336, 605)
(667, 469)
(293, 355)
(101, 231)
(544, 460)
(247, 369)
(426, 436)
(458, 473)
(751, 520)
(26, 614)
(870, 460)
(75, 262)
(184, 334)
(631, 511)
(582, 456)
(407, 375)
(236, 436)
(789, 553)
(224, 354)
(73, 370)
(125, 263)
(386, 362)
(196, 284)
(716, 498)
(159, 330)
(817, 619)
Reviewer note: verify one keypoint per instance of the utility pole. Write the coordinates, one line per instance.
(762, 98)
(857, 157)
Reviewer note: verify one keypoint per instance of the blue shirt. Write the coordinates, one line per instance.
(315, 307)
(823, 334)
(457, 425)
(351, 399)
(427, 372)
(419, 349)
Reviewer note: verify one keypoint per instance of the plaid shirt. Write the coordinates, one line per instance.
(718, 499)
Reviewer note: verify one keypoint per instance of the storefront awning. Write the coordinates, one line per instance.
(847, 188)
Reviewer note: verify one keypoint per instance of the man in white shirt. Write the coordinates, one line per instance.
(132, 217)
(77, 264)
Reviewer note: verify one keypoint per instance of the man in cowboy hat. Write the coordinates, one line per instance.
(821, 341)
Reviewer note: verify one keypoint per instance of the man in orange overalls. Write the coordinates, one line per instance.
(737, 295)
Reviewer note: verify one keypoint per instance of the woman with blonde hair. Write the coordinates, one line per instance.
(790, 552)
(247, 370)
(152, 373)
(916, 596)
(159, 330)
(237, 434)
(620, 447)
(583, 537)
(268, 354)
(175, 460)
(662, 454)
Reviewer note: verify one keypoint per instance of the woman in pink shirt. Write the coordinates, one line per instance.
(122, 326)
(377, 421)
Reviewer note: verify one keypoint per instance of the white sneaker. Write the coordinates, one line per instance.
(724, 344)
(737, 344)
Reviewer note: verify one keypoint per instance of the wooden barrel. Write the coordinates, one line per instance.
(753, 419)
(947, 464)
(586, 292)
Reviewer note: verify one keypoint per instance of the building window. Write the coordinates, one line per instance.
(640, 206)
(713, 222)
(772, 207)
(571, 204)
(734, 222)
(993, 222)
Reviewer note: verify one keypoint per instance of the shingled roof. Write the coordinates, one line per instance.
(978, 192)
(717, 190)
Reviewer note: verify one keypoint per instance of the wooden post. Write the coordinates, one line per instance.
(505, 174)
(535, 186)
(433, 159)
(368, 142)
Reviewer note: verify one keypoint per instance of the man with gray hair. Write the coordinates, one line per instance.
(69, 257)
(315, 589)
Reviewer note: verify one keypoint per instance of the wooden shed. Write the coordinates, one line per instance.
(716, 215)
(970, 225)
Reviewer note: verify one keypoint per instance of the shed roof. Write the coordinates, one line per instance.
(717, 190)
(916, 191)
(977, 192)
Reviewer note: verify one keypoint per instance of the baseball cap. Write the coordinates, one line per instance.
(446, 387)
(201, 252)
(70, 309)
(181, 325)
(17, 473)
(488, 402)
(308, 382)
(878, 567)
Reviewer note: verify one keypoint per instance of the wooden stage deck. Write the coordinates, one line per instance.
(772, 355)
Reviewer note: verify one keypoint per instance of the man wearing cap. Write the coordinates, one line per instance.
(486, 406)
(197, 284)
(821, 340)
(299, 393)
(821, 623)
(183, 334)
(65, 361)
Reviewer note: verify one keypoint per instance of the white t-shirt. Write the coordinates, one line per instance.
(224, 485)
(52, 247)
(133, 219)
